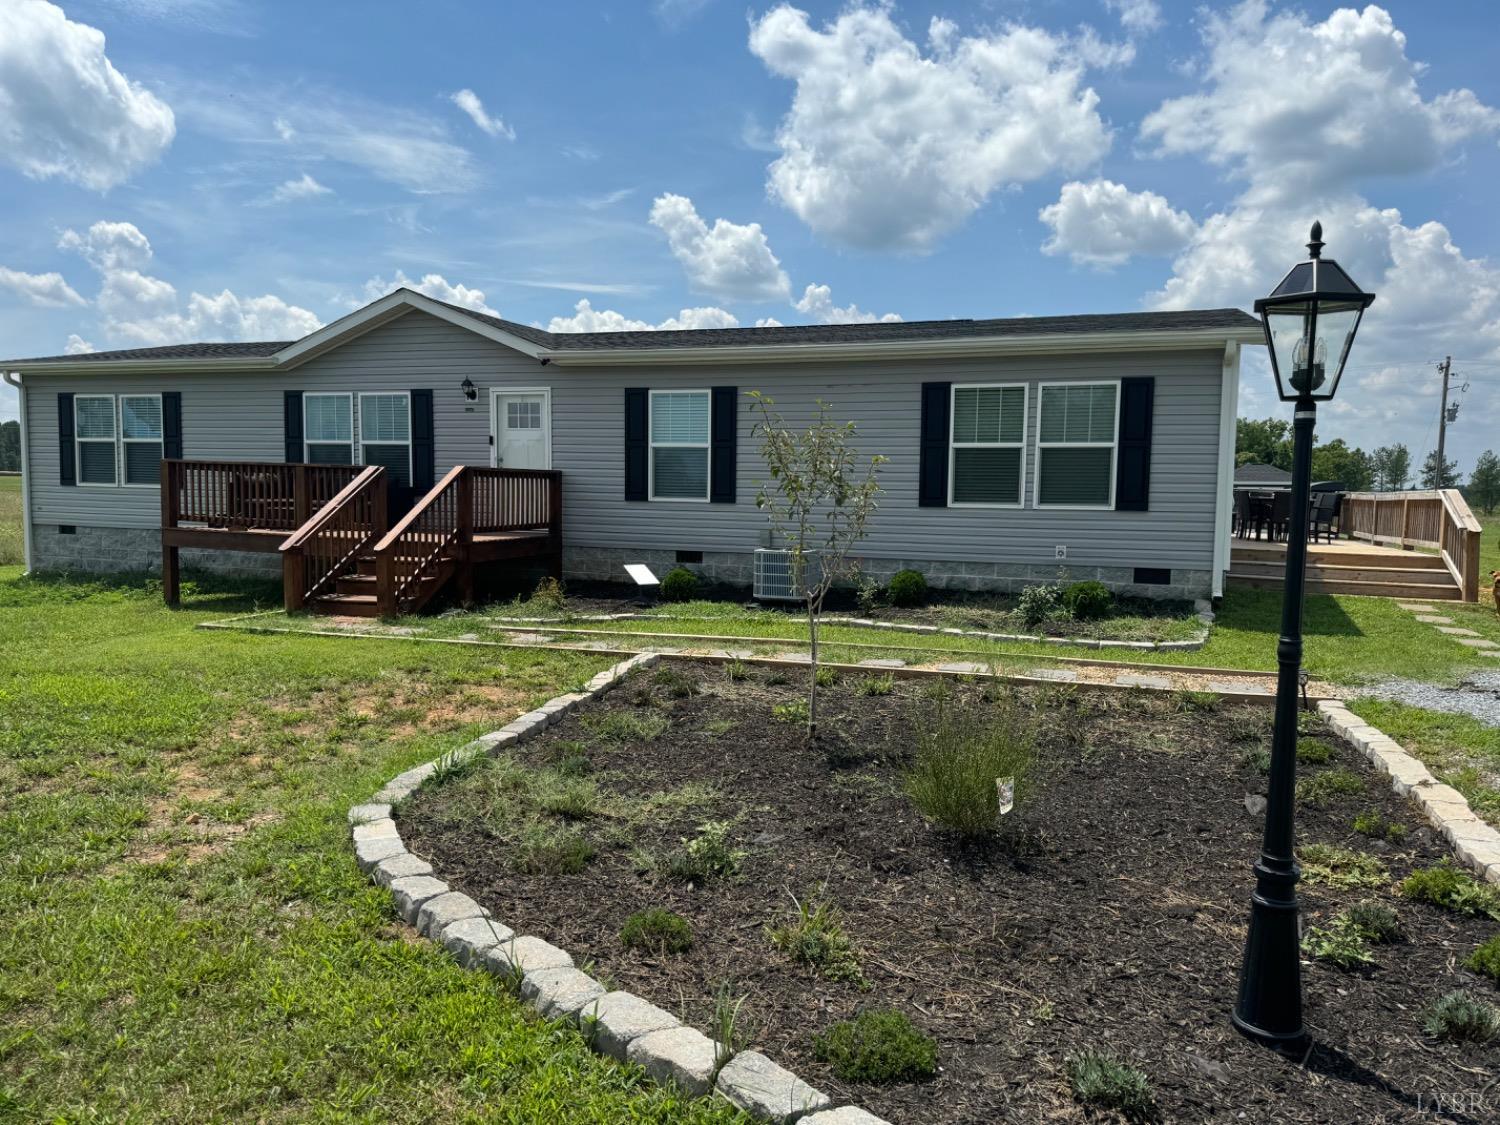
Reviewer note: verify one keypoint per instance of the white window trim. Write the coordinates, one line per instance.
(354, 442)
(496, 394)
(1020, 501)
(652, 445)
(1114, 466)
(124, 441)
(357, 427)
(80, 442)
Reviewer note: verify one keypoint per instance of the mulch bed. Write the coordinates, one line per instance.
(1109, 915)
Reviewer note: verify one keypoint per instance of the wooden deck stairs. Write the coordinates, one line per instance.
(341, 556)
(1346, 569)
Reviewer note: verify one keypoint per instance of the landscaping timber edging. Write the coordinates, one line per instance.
(618, 1023)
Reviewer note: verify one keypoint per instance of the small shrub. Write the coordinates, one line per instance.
(453, 766)
(792, 711)
(675, 682)
(626, 726)
(1100, 1080)
(961, 752)
(1311, 752)
(1038, 604)
(736, 670)
(876, 685)
(1340, 944)
(907, 588)
(546, 850)
(1370, 823)
(815, 936)
(679, 585)
(827, 677)
(1340, 867)
(1460, 1017)
(729, 1035)
(1320, 790)
(1486, 959)
(549, 596)
(707, 855)
(1446, 886)
(1198, 701)
(1088, 601)
(1258, 759)
(1377, 921)
(878, 1047)
(868, 594)
(657, 931)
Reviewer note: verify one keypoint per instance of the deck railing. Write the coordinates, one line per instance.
(248, 495)
(1437, 519)
(516, 499)
(329, 545)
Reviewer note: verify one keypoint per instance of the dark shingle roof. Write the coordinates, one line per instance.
(910, 330)
(1256, 473)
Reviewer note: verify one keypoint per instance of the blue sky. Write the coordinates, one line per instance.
(193, 169)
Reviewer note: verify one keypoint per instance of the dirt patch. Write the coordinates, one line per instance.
(1110, 915)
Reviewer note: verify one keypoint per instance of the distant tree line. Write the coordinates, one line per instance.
(1268, 441)
(10, 447)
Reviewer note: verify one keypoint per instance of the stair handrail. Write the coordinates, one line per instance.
(329, 544)
(1437, 518)
(411, 550)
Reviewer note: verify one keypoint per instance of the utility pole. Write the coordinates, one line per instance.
(1446, 368)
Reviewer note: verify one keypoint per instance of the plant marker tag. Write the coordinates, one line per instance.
(1005, 795)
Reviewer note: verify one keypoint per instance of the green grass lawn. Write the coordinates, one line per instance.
(11, 546)
(186, 936)
(1459, 750)
(1489, 554)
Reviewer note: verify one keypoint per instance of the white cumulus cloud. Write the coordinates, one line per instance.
(817, 302)
(77, 345)
(304, 187)
(728, 260)
(109, 246)
(890, 147)
(65, 111)
(433, 285)
(1103, 223)
(586, 318)
(1139, 17)
(48, 290)
(468, 101)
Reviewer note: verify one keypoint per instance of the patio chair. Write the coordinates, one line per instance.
(1244, 514)
(1280, 515)
(1325, 510)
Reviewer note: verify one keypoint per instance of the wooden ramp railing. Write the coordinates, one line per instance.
(1437, 519)
(329, 545)
(248, 495)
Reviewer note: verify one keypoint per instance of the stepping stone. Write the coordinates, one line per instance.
(1225, 688)
(1416, 608)
(882, 663)
(792, 657)
(1429, 619)
(527, 639)
(1064, 675)
(964, 669)
(1157, 682)
(1476, 643)
(1445, 630)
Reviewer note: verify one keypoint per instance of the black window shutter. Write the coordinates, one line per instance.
(423, 448)
(721, 466)
(291, 426)
(637, 444)
(1133, 469)
(67, 471)
(932, 486)
(171, 425)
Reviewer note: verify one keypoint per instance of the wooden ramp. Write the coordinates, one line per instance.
(1344, 567)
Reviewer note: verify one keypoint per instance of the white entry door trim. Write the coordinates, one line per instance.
(497, 430)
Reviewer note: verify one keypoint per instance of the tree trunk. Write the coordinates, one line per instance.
(812, 672)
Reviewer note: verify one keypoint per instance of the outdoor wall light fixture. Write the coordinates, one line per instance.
(1310, 318)
(471, 392)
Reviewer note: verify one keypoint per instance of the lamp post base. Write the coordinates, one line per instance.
(1288, 1041)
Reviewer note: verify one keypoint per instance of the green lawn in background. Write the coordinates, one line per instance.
(1460, 751)
(11, 548)
(186, 935)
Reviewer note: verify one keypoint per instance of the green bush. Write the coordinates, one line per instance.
(1486, 959)
(1376, 921)
(792, 711)
(878, 1047)
(676, 683)
(1458, 1016)
(875, 685)
(680, 585)
(1446, 886)
(1339, 867)
(1038, 604)
(815, 936)
(549, 596)
(906, 588)
(1100, 1080)
(657, 931)
(1341, 944)
(961, 751)
(826, 676)
(1319, 790)
(1311, 752)
(1370, 823)
(707, 855)
(1088, 601)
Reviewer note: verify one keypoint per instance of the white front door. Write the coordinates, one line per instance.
(523, 429)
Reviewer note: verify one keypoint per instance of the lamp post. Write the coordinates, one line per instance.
(1309, 319)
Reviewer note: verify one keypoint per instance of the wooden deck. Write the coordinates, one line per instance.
(330, 524)
(1345, 567)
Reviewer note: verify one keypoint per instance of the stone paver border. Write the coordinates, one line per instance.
(1474, 841)
(618, 1024)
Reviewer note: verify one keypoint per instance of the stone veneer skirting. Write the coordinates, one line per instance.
(737, 568)
(108, 550)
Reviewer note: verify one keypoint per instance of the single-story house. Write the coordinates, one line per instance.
(1252, 474)
(1097, 446)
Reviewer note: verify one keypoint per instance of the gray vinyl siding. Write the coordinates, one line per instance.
(239, 417)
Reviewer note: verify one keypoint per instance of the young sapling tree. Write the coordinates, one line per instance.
(820, 498)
